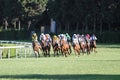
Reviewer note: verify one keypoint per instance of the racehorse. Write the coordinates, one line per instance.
(46, 48)
(56, 46)
(84, 44)
(37, 48)
(65, 48)
(93, 46)
(76, 48)
(88, 47)
(93, 43)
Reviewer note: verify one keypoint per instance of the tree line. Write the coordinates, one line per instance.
(70, 15)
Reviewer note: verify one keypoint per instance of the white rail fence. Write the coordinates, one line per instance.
(22, 49)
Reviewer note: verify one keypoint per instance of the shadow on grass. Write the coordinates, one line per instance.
(57, 77)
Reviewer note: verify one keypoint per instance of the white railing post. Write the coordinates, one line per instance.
(9, 53)
(0, 53)
(16, 53)
(20, 52)
(25, 52)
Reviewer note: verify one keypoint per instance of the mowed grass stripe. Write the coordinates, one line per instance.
(60, 67)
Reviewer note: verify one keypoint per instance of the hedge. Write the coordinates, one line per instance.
(105, 37)
(15, 35)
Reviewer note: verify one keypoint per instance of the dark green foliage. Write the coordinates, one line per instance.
(85, 14)
(72, 16)
(15, 35)
(110, 37)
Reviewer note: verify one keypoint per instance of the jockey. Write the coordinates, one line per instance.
(42, 37)
(93, 38)
(75, 39)
(48, 38)
(68, 40)
(64, 38)
(60, 36)
(56, 39)
(87, 38)
(68, 37)
(34, 38)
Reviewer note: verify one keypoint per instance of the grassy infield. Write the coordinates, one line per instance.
(104, 65)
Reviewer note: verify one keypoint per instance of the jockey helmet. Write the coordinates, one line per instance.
(42, 34)
(54, 36)
(74, 35)
(47, 35)
(32, 32)
(82, 35)
(66, 34)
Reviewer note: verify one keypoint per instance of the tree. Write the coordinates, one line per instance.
(33, 9)
(12, 10)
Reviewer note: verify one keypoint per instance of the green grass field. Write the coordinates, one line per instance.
(104, 65)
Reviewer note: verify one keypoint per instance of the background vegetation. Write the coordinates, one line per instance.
(102, 17)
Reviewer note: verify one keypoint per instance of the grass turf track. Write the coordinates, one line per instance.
(104, 65)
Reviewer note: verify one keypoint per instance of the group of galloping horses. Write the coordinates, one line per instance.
(62, 46)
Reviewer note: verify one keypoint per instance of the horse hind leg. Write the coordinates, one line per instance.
(78, 52)
(70, 49)
(88, 49)
(95, 50)
(49, 53)
(91, 49)
(75, 52)
(45, 53)
(65, 54)
(39, 52)
(57, 52)
(54, 53)
(83, 51)
(36, 54)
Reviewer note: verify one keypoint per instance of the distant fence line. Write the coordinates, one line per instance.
(23, 49)
(14, 42)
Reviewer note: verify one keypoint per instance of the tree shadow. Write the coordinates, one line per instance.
(63, 77)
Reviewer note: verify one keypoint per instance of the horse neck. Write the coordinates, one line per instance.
(47, 42)
(36, 45)
(64, 42)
